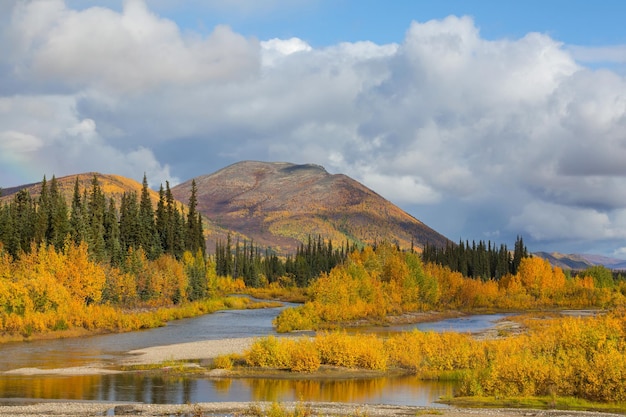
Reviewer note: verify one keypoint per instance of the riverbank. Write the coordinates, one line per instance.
(81, 409)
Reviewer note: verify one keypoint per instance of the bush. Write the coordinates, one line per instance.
(268, 352)
(304, 356)
(223, 362)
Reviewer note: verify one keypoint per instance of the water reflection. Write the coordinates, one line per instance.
(406, 390)
(106, 350)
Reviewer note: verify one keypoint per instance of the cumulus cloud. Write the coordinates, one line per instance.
(485, 137)
(599, 54)
(128, 52)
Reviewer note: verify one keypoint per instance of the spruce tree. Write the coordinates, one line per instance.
(24, 217)
(78, 220)
(59, 227)
(112, 234)
(161, 221)
(96, 208)
(195, 235)
(129, 222)
(42, 218)
(148, 237)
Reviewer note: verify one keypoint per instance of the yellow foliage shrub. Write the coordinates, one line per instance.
(223, 362)
(268, 352)
(303, 356)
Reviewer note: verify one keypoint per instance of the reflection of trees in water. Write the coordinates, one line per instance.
(222, 385)
(67, 387)
(136, 387)
(348, 390)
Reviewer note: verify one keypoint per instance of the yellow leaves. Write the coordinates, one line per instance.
(82, 277)
(583, 357)
(304, 354)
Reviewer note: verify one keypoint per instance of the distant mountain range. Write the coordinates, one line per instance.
(581, 261)
(277, 206)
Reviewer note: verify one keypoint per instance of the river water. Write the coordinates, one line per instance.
(106, 350)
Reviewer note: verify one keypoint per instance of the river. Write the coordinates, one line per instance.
(106, 350)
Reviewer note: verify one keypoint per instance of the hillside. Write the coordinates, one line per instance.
(279, 205)
(112, 186)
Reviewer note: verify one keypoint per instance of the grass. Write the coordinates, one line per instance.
(169, 366)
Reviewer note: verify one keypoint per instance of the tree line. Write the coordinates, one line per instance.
(110, 233)
(480, 261)
(258, 267)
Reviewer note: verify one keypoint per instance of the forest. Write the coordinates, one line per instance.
(91, 267)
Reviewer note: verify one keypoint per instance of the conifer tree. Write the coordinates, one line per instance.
(78, 221)
(96, 209)
(195, 235)
(59, 226)
(24, 220)
(148, 237)
(161, 221)
(112, 234)
(42, 218)
(129, 222)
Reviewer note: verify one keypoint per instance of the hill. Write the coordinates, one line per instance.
(576, 261)
(112, 186)
(278, 205)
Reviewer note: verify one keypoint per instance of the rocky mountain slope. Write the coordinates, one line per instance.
(278, 205)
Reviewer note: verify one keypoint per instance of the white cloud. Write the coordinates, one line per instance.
(18, 142)
(546, 221)
(595, 54)
(514, 132)
(127, 52)
(275, 49)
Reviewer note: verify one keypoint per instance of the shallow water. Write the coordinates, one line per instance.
(107, 349)
(162, 390)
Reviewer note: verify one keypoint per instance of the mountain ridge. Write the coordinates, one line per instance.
(581, 261)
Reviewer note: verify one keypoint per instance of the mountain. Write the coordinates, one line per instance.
(581, 261)
(279, 205)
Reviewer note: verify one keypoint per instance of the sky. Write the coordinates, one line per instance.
(484, 119)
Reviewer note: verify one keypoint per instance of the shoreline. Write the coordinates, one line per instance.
(31, 408)
(207, 350)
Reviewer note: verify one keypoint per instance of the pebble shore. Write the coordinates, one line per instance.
(241, 409)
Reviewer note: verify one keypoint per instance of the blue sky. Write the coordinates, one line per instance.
(484, 119)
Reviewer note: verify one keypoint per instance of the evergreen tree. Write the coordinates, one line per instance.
(195, 235)
(148, 237)
(42, 217)
(519, 253)
(96, 208)
(24, 217)
(59, 223)
(8, 230)
(112, 234)
(78, 216)
(129, 222)
(162, 221)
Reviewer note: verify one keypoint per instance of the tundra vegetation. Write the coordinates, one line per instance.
(88, 267)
